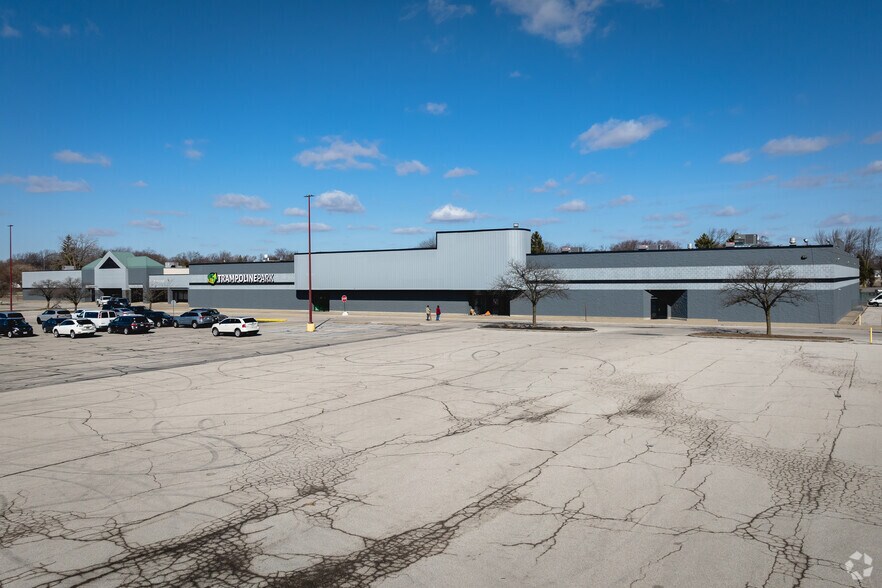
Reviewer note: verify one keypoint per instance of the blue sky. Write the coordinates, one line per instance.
(200, 125)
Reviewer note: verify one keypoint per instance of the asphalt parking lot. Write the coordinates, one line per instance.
(399, 455)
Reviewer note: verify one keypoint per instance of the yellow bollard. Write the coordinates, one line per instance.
(860, 319)
(871, 335)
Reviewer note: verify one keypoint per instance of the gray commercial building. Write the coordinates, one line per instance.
(459, 273)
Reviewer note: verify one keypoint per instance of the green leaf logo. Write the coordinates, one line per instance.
(212, 278)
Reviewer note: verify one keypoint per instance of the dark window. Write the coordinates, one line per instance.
(84, 322)
(248, 320)
(109, 264)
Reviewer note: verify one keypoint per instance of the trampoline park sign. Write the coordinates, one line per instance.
(215, 278)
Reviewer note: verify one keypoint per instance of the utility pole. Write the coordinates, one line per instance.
(310, 326)
(10, 268)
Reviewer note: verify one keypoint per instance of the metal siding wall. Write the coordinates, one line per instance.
(462, 261)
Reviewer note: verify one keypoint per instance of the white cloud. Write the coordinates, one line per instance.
(98, 232)
(451, 214)
(792, 145)
(622, 200)
(139, 184)
(874, 168)
(45, 184)
(874, 138)
(411, 167)
(801, 182)
(846, 219)
(728, 211)
(440, 10)
(64, 30)
(538, 222)
(339, 154)
(737, 157)
(459, 172)
(516, 74)
(253, 221)
(302, 228)
(339, 201)
(148, 223)
(68, 156)
(166, 212)
(615, 133)
(408, 231)
(240, 201)
(7, 31)
(295, 212)
(362, 227)
(572, 206)
(549, 184)
(762, 181)
(592, 178)
(677, 220)
(436, 108)
(566, 22)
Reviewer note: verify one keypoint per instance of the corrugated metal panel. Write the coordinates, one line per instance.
(469, 260)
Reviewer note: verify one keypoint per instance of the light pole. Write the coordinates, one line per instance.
(10, 267)
(310, 326)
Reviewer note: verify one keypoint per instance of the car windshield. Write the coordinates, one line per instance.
(84, 322)
(249, 320)
(15, 322)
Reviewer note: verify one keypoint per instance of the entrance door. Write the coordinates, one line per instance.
(657, 309)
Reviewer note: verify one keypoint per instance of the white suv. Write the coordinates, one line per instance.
(74, 327)
(238, 326)
(101, 318)
(875, 300)
(102, 300)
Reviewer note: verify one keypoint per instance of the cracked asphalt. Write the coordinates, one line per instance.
(395, 455)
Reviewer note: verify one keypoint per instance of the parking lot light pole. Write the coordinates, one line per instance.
(310, 326)
(10, 267)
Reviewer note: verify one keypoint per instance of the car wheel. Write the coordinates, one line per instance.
(55, 332)
(237, 333)
(176, 325)
(73, 335)
(126, 331)
(194, 325)
(39, 321)
(215, 332)
(9, 334)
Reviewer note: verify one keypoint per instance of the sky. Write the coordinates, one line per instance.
(181, 126)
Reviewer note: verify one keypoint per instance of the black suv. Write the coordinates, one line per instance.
(160, 319)
(128, 324)
(15, 327)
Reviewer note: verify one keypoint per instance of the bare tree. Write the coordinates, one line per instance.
(635, 244)
(48, 289)
(72, 290)
(764, 286)
(531, 281)
(78, 250)
(427, 243)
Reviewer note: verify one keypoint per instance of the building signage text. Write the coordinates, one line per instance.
(215, 278)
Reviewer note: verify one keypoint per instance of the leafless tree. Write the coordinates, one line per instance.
(427, 243)
(79, 250)
(531, 281)
(73, 291)
(48, 289)
(635, 244)
(848, 239)
(764, 286)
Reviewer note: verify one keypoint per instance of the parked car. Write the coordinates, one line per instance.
(238, 326)
(15, 315)
(140, 309)
(160, 319)
(129, 324)
(101, 318)
(102, 300)
(119, 302)
(215, 313)
(15, 327)
(123, 311)
(53, 313)
(74, 328)
(194, 319)
(876, 300)
(49, 324)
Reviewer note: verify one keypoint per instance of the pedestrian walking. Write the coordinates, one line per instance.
(438, 313)
(428, 312)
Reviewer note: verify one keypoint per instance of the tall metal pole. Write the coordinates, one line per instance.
(310, 326)
(10, 267)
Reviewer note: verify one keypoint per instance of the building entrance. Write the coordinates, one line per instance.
(668, 304)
